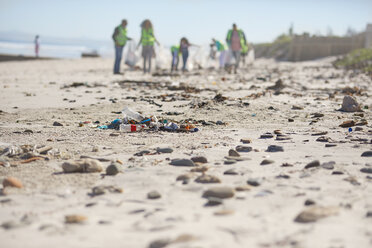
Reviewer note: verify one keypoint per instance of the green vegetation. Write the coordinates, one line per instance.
(360, 59)
(277, 49)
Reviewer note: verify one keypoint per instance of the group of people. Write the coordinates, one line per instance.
(235, 39)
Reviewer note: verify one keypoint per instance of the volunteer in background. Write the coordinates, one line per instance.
(120, 38)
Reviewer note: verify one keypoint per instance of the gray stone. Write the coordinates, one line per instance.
(231, 172)
(309, 202)
(82, 165)
(254, 182)
(313, 164)
(207, 179)
(153, 195)
(213, 201)
(219, 192)
(182, 162)
(161, 243)
(367, 170)
(267, 161)
(329, 165)
(274, 148)
(367, 154)
(242, 148)
(282, 137)
(141, 153)
(233, 153)
(324, 139)
(199, 159)
(330, 145)
(184, 177)
(246, 141)
(350, 104)
(315, 213)
(337, 173)
(113, 169)
(103, 189)
(164, 150)
(266, 136)
(57, 124)
(229, 161)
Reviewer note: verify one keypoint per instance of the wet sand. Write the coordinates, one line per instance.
(300, 115)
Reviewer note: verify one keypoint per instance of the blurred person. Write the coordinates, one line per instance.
(37, 46)
(212, 52)
(184, 49)
(236, 42)
(244, 53)
(147, 40)
(175, 50)
(120, 38)
(222, 50)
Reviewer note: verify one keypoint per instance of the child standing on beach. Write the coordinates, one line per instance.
(222, 49)
(175, 50)
(147, 40)
(37, 46)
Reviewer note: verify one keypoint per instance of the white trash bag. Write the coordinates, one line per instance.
(131, 57)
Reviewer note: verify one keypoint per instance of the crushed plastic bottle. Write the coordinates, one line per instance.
(171, 126)
(131, 128)
(129, 114)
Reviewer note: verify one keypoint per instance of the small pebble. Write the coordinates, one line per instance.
(182, 162)
(315, 213)
(367, 170)
(199, 159)
(233, 153)
(266, 136)
(275, 148)
(246, 141)
(313, 164)
(75, 219)
(329, 165)
(164, 150)
(267, 161)
(254, 182)
(219, 192)
(113, 169)
(330, 145)
(231, 172)
(153, 195)
(57, 124)
(241, 148)
(82, 165)
(141, 153)
(207, 179)
(367, 154)
(287, 165)
(213, 201)
(224, 212)
(12, 182)
(309, 202)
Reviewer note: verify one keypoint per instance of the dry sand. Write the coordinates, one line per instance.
(35, 94)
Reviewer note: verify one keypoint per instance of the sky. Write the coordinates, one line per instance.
(198, 20)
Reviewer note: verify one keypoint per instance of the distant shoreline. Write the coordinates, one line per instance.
(11, 57)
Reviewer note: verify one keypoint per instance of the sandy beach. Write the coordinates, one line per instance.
(272, 166)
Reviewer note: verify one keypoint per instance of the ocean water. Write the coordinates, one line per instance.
(52, 50)
(198, 56)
